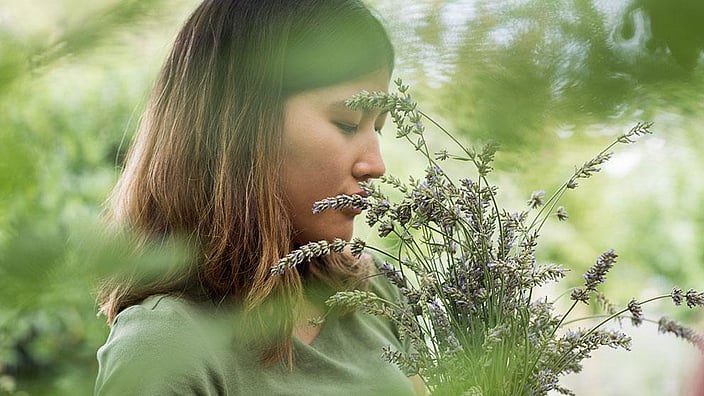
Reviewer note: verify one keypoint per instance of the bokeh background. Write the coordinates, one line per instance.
(552, 82)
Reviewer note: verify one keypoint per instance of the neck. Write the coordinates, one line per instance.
(303, 330)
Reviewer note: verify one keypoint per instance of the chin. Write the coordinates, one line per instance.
(344, 235)
(325, 236)
(342, 230)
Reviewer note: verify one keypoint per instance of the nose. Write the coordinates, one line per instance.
(369, 163)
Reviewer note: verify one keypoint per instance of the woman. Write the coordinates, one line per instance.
(245, 129)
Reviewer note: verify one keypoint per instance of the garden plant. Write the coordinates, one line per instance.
(472, 299)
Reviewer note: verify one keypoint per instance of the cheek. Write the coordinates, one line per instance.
(313, 162)
(314, 166)
(306, 181)
(309, 179)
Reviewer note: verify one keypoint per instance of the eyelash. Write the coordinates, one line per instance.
(346, 128)
(350, 129)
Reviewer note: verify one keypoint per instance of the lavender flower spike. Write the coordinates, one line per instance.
(597, 273)
(677, 296)
(536, 199)
(357, 248)
(307, 252)
(669, 326)
(636, 311)
(341, 201)
(694, 298)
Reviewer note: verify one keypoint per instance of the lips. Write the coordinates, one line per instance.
(355, 211)
(352, 211)
(361, 193)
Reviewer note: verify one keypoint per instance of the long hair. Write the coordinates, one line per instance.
(205, 160)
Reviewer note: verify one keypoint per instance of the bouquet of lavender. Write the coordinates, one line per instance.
(468, 274)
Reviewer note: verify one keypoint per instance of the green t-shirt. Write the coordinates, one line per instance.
(168, 345)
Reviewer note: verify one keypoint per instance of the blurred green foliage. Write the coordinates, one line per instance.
(551, 81)
(70, 89)
(516, 68)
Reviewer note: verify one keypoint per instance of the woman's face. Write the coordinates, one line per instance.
(327, 150)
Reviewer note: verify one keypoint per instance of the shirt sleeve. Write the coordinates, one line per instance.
(156, 349)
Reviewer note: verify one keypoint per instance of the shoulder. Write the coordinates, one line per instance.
(162, 320)
(163, 345)
(159, 319)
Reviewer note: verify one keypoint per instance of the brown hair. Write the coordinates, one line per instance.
(204, 162)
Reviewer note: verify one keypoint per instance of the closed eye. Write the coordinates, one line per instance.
(346, 128)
